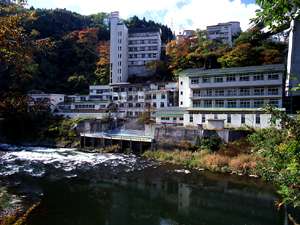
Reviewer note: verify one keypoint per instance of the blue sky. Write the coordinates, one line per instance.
(178, 14)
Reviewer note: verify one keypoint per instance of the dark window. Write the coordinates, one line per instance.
(243, 119)
(203, 119)
(257, 119)
(228, 118)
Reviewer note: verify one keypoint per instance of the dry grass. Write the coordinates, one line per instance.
(241, 163)
(215, 162)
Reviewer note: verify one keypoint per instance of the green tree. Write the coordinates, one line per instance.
(241, 55)
(276, 14)
(280, 149)
(17, 66)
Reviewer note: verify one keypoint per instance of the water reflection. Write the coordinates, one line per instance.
(166, 200)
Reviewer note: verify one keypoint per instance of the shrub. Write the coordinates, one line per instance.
(212, 143)
(243, 163)
(267, 139)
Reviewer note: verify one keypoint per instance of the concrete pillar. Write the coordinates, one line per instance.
(93, 142)
(293, 61)
(141, 147)
(130, 145)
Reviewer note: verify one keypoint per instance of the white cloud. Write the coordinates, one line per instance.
(192, 14)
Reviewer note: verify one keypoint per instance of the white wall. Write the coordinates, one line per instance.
(184, 92)
(250, 120)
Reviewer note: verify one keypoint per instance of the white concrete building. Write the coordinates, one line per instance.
(100, 92)
(131, 50)
(118, 49)
(134, 99)
(144, 46)
(224, 32)
(234, 95)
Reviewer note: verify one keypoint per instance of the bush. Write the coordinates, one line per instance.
(267, 139)
(212, 143)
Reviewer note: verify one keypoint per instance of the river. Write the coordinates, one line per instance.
(76, 188)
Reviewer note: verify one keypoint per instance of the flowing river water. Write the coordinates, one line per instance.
(76, 188)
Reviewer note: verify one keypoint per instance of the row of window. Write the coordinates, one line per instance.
(218, 33)
(143, 48)
(154, 96)
(140, 63)
(235, 104)
(99, 91)
(259, 91)
(170, 118)
(148, 34)
(228, 119)
(137, 56)
(140, 105)
(142, 42)
(136, 97)
(233, 78)
(130, 113)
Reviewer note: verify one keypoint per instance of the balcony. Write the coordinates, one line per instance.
(237, 96)
(250, 83)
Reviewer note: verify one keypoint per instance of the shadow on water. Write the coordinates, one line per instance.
(163, 200)
(94, 189)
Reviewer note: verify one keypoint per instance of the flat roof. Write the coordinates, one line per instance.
(231, 70)
(174, 111)
(143, 30)
(84, 102)
(230, 109)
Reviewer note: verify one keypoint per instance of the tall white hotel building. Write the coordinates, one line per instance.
(131, 50)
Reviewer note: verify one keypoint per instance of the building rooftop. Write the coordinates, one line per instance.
(171, 111)
(222, 24)
(143, 30)
(232, 70)
(245, 110)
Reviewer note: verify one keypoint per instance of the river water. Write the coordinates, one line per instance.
(76, 188)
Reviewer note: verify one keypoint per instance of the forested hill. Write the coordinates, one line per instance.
(65, 51)
(60, 51)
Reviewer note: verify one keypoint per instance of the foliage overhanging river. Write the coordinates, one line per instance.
(76, 188)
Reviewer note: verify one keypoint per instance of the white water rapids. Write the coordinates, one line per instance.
(39, 161)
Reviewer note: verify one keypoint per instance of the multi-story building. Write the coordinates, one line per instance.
(144, 46)
(118, 49)
(6, 1)
(131, 50)
(100, 92)
(186, 34)
(134, 99)
(235, 96)
(224, 32)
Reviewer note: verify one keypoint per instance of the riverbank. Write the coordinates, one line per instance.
(241, 164)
